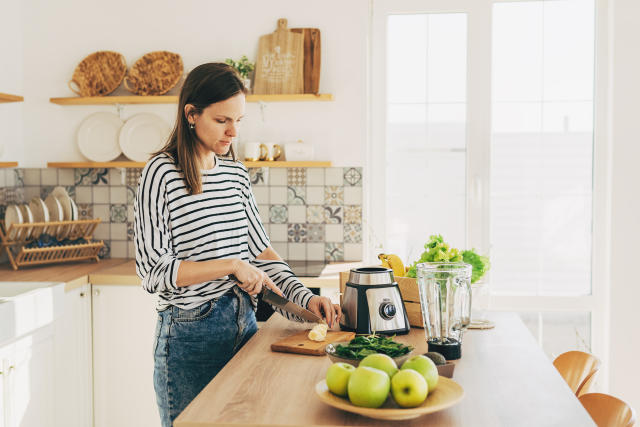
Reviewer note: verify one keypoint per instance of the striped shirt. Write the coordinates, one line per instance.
(222, 222)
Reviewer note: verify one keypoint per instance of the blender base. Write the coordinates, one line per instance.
(451, 351)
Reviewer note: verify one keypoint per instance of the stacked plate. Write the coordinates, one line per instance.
(102, 137)
(58, 206)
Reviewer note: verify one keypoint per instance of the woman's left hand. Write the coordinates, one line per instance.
(323, 307)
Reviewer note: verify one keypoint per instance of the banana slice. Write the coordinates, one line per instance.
(318, 333)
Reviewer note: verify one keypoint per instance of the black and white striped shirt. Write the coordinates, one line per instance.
(222, 222)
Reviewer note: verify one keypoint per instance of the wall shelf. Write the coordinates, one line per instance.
(126, 164)
(8, 164)
(5, 97)
(137, 99)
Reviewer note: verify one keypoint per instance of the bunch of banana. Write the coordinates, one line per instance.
(393, 262)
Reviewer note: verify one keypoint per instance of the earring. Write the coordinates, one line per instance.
(192, 126)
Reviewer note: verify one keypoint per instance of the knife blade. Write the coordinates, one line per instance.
(274, 299)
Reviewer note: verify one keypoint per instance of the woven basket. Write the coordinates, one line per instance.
(154, 74)
(98, 74)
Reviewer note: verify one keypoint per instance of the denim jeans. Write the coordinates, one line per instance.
(192, 346)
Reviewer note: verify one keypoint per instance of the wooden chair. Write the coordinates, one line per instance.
(608, 411)
(577, 368)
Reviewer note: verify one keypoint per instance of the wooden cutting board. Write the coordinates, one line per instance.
(299, 343)
(280, 62)
(311, 58)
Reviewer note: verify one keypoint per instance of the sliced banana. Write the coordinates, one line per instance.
(318, 332)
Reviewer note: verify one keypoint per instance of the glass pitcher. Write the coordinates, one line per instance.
(445, 300)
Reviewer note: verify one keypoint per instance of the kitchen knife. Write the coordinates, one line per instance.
(274, 299)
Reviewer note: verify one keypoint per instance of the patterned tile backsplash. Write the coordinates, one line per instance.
(310, 213)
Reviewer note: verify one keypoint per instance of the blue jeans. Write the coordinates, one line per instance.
(192, 346)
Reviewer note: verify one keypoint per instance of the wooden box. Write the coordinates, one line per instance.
(410, 296)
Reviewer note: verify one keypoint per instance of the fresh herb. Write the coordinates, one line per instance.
(364, 345)
(243, 66)
(479, 263)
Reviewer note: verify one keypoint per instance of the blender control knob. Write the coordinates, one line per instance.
(387, 310)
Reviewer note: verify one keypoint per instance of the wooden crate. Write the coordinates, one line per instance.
(410, 296)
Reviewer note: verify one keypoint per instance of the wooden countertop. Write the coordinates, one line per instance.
(507, 379)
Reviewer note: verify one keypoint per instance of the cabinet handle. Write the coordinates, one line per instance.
(81, 294)
(96, 292)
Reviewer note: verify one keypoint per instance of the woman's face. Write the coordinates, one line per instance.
(218, 124)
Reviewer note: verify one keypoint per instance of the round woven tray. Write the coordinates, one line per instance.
(154, 74)
(98, 74)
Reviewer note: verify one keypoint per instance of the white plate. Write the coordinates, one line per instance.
(142, 135)
(55, 214)
(65, 201)
(40, 214)
(74, 210)
(98, 137)
(27, 217)
(12, 216)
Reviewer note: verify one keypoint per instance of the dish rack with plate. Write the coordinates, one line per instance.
(41, 243)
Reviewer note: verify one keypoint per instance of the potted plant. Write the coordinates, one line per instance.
(244, 67)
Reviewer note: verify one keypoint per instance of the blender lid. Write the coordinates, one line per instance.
(371, 276)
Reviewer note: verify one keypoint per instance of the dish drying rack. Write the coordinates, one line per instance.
(18, 236)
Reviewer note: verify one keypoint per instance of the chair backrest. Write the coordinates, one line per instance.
(577, 368)
(608, 411)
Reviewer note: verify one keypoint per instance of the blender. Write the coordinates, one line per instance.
(445, 301)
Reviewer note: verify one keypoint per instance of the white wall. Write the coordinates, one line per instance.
(625, 205)
(58, 35)
(11, 80)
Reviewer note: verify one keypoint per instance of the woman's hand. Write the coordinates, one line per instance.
(252, 279)
(323, 307)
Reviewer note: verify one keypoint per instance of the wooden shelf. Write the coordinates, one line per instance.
(8, 164)
(95, 165)
(136, 99)
(5, 97)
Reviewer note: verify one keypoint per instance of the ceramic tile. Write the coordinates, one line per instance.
(84, 194)
(131, 194)
(277, 176)
(31, 192)
(118, 194)
(296, 195)
(102, 231)
(130, 231)
(49, 176)
(66, 177)
(278, 214)
(296, 176)
(9, 178)
(297, 251)
(45, 190)
(118, 248)
(352, 195)
(352, 214)
(100, 194)
(85, 210)
(105, 252)
(315, 232)
(281, 248)
(32, 176)
(261, 195)
(133, 175)
(333, 176)
(278, 233)
(117, 176)
(3, 180)
(278, 195)
(333, 195)
(296, 233)
(18, 178)
(297, 214)
(265, 216)
(131, 250)
(315, 195)
(130, 213)
(334, 252)
(315, 251)
(91, 176)
(315, 214)
(332, 215)
(353, 252)
(333, 233)
(118, 231)
(259, 176)
(352, 177)
(353, 233)
(315, 176)
(103, 212)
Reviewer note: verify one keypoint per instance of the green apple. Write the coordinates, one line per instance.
(368, 387)
(382, 362)
(338, 378)
(425, 367)
(409, 388)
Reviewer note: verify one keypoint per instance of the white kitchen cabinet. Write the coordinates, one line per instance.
(27, 380)
(124, 321)
(73, 373)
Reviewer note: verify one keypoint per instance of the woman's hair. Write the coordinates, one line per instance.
(205, 85)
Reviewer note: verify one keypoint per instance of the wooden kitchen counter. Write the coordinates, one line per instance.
(508, 381)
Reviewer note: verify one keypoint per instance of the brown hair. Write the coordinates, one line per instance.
(205, 85)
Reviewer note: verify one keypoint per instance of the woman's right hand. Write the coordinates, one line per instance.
(252, 279)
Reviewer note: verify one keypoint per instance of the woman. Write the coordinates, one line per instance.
(200, 243)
